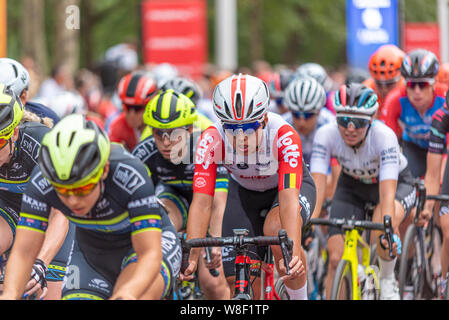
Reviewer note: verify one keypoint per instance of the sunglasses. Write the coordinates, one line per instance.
(358, 123)
(166, 133)
(305, 115)
(420, 84)
(79, 192)
(245, 127)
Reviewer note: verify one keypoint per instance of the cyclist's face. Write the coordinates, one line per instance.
(245, 143)
(305, 126)
(351, 135)
(81, 205)
(134, 117)
(420, 96)
(383, 88)
(5, 148)
(172, 144)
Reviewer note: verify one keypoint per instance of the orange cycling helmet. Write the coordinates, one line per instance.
(137, 88)
(443, 74)
(385, 63)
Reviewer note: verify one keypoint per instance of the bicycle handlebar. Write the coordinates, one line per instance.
(422, 197)
(241, 241)
(350, 224)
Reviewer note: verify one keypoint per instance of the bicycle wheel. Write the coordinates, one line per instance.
(411, 266)
(342, 285)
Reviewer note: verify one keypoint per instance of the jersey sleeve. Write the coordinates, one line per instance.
(438, 131)
(289, 157)
(35, 210)
(389, 151)
(209, 154)
(391, 111)
(321, 152)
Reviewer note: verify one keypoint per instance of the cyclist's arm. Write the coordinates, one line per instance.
(432, 177)
(219, 202)
(319, 164)
(391, 111)
(58, 227)
(437, 146)
(387, 193)
(147, 246)
(20, 262)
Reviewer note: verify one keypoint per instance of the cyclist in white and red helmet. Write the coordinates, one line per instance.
(263, 154)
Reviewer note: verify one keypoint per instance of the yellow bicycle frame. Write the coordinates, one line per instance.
(352, 240)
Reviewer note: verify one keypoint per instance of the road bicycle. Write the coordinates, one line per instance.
(241, 243)
(354, 281)
(419, 278)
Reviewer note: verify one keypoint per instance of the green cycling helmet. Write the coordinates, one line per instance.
(74, 152)
(11, 112)
(170, 109)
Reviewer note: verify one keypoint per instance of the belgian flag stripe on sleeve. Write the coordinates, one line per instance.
(290, 181)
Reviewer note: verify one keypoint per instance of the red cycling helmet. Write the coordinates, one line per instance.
(137, 88)
(385, 63)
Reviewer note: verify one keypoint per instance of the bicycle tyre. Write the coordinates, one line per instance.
(343, 277)
(413, 274)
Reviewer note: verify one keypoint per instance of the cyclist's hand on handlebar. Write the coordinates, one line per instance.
(424, 217)
(297, 268)
(38, 280)
(189, 273)
(215, 258)
(397, 245)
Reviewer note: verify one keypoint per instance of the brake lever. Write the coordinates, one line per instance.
(213, 272)
(389, 234)
(286, 248)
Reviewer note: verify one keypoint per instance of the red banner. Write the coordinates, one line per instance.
(422, 36)
(175, 31)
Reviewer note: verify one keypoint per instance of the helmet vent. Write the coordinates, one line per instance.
(72, 136)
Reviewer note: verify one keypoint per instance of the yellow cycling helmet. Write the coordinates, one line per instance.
(170, 109)
(11, 112)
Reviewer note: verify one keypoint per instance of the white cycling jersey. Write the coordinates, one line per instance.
(378, 158)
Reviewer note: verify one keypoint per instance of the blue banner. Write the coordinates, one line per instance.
(369, 25)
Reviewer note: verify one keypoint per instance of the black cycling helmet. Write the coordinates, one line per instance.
(419, 63)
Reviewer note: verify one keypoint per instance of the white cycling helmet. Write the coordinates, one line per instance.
(305, 95)
(67, 103)
(14, 75)
(241, 98)
(316, 71)
(187, 87)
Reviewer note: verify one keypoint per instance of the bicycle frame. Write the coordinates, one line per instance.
(352, 242)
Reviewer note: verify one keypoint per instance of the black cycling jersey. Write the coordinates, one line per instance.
(127, 203)
(14, 175)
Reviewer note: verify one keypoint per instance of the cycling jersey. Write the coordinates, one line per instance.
(127, 206)
(397, 107)
(119, 131)
(277, 163)
(325, 116)
(378, 158)
(439, 130)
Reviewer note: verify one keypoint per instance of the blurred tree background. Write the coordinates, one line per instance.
(278, 31)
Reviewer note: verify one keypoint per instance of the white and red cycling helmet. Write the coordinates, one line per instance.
(241, 98)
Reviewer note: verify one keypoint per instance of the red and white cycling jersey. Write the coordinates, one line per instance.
(277, 161)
